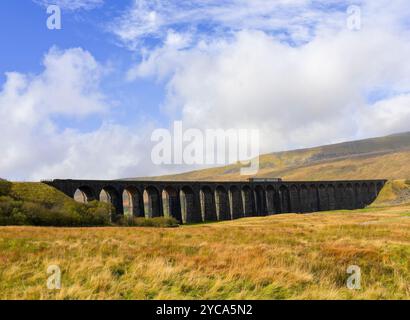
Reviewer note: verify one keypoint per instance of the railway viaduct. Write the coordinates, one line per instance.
(198, 201)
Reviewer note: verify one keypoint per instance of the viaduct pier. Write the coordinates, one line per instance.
(200, 201)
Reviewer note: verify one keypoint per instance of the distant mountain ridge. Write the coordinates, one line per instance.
(375, 158)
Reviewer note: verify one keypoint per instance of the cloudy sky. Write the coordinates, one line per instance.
(82, 102)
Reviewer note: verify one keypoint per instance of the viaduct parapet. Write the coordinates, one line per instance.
(199, 201)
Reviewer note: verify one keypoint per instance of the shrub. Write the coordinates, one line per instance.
(40, 205)
(158, 222)
(69, 214)
(5, 187)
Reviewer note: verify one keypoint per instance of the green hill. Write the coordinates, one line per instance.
(377, 158)
(32, 203)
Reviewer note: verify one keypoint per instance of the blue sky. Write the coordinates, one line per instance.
(83, 101)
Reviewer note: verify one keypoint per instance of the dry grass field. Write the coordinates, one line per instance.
(285, 256)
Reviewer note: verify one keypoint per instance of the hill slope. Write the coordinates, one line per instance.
(377, 158)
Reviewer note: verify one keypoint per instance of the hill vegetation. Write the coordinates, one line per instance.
(395, 192)
(378, 158)
(40, 205)
(31, 203)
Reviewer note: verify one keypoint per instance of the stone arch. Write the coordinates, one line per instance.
(260, 201)
(323, 198)
(152, 202)
(247, 201)
(189, 208)
(372, 192)
(349, 196)
(331, 193)
(235, 202)
(222, 204)
(271, 201)
(365, 194)
(132, 202)
(304, 199)
(284, 199)
(171, 204)
(84, 194)
(314, 198)
(294, 199)
(340, 195)
(109, 194)
(358, 196)
(208, 209)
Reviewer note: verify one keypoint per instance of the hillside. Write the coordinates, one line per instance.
(377, 158)
(32, 203)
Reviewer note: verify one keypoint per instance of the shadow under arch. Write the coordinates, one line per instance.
(331, 195)
(349, 196)
(271, 202)
(84, 194)
(304, 199)
(340, 197)
(247, 202)
(235, 202)
(294, 199)
(284, 199)
(260, 201)
(222, 204)
(323, 198)
(171, 203)
(132, 202)
(109, 194)
(208, 208)
(152, 202)
(189, 208)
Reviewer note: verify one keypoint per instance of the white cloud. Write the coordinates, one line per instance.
(72, 5)
(293, 19)
(387, 116)
(35, 146)
(296, 95)
(289, 68)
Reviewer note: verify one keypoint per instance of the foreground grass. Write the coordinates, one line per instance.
(278, 257)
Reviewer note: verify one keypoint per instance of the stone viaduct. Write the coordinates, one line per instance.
(197, 201)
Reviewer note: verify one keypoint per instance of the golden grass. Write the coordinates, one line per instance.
(278, 257)
(393, 193)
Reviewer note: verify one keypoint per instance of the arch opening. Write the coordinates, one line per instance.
(284, 199)
(189, 210)
(171, 203)
(314, 198)
(358, 196)
(109, 195)
(294, 199)
(349, 197)
(340, 195)
(260, 201)
(222, 204)
(304, 199)
(271, 201)
(152, 203)
(331, 194)
(84, 195)
(323, 198)
(247, 201)
(208, 209)
(235, 203)
(132, 202)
